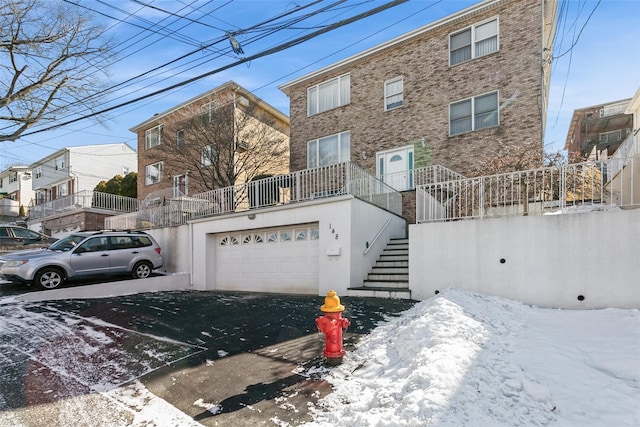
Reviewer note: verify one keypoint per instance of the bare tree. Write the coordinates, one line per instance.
(224, 146)
(51, 63)
(518, 157)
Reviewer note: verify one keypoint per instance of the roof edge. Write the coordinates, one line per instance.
(397, 40)
(230, 85)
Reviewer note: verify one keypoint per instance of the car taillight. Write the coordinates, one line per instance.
(158, 250)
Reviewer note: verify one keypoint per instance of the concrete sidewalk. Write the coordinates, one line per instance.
(234, 359)
(270, 386)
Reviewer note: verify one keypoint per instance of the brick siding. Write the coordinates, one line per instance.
(430, 85)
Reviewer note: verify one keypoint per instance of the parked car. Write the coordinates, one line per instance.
(82, 254)
(14, 237)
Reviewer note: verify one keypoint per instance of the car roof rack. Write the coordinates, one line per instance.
(113, 231)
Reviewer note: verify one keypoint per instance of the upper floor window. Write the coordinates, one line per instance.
(208, 109)
(13, 177)
(328, 95)
(473, 114)
(393, 97)
(59, 163)
(38, 172)
(329, 150)
(153, 137)
(1, 182)
(180, 139)
(472, 42)
(153, 173)
(208, 155)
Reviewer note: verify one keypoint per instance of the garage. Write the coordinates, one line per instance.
(283, 259)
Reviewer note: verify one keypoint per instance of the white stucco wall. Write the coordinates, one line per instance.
(176, 247)
(345, 225)
(548, 260)
(366, 222)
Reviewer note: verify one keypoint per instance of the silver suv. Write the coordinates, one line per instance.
(81, 254)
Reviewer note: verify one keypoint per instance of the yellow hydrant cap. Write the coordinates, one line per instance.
(332, 303)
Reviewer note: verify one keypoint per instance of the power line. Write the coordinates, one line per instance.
(150, 6)
(577, 38)
(270, 51)
(131, 80)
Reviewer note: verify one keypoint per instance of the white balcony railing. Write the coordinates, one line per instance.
(583, 186)
(83, 200)
(310, 184)
(408, 180)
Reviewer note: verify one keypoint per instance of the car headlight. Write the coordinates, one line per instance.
(15, 263)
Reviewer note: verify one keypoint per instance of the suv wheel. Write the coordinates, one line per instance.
(49, 278)
(141, 270)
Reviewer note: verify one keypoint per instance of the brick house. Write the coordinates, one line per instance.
(449, 93)
(598, 130)
(226, 133)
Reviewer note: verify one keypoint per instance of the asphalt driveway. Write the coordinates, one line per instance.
(220, 358)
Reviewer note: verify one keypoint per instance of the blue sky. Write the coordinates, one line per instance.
(602, 66)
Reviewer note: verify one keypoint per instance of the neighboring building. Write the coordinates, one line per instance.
(633, 140)
(624, 163)
(197, 145)
(74, 169)
(449, 93)
(15, 184)
(597, 131)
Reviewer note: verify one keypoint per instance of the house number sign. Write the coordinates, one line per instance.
(333, 231)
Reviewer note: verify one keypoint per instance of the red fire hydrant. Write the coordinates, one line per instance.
(332, 324)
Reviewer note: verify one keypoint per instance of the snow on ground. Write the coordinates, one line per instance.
(456, 359)
(467, 359)
(64, 367)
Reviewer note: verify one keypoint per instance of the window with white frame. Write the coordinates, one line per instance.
(208, 155)
(153, 173)
(473, 42)
(13, 177)
(328, 95)
(393, 97)
(474, 113)
(180, 139)
(59, 163)
(153, 137)
(62, 190)
(329, 150)
(38, 172)
(208, 109)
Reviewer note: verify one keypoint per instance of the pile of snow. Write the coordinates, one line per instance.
(467, 359)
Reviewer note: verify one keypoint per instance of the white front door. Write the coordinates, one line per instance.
(394, 167)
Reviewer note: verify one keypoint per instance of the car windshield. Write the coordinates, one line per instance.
(67, 243)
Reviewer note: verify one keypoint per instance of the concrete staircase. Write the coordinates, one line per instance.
(389, 277)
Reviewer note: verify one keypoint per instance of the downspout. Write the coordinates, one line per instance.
(235, 134)
(542, 71)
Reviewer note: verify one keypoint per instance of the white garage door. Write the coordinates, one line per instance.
(281, 259)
